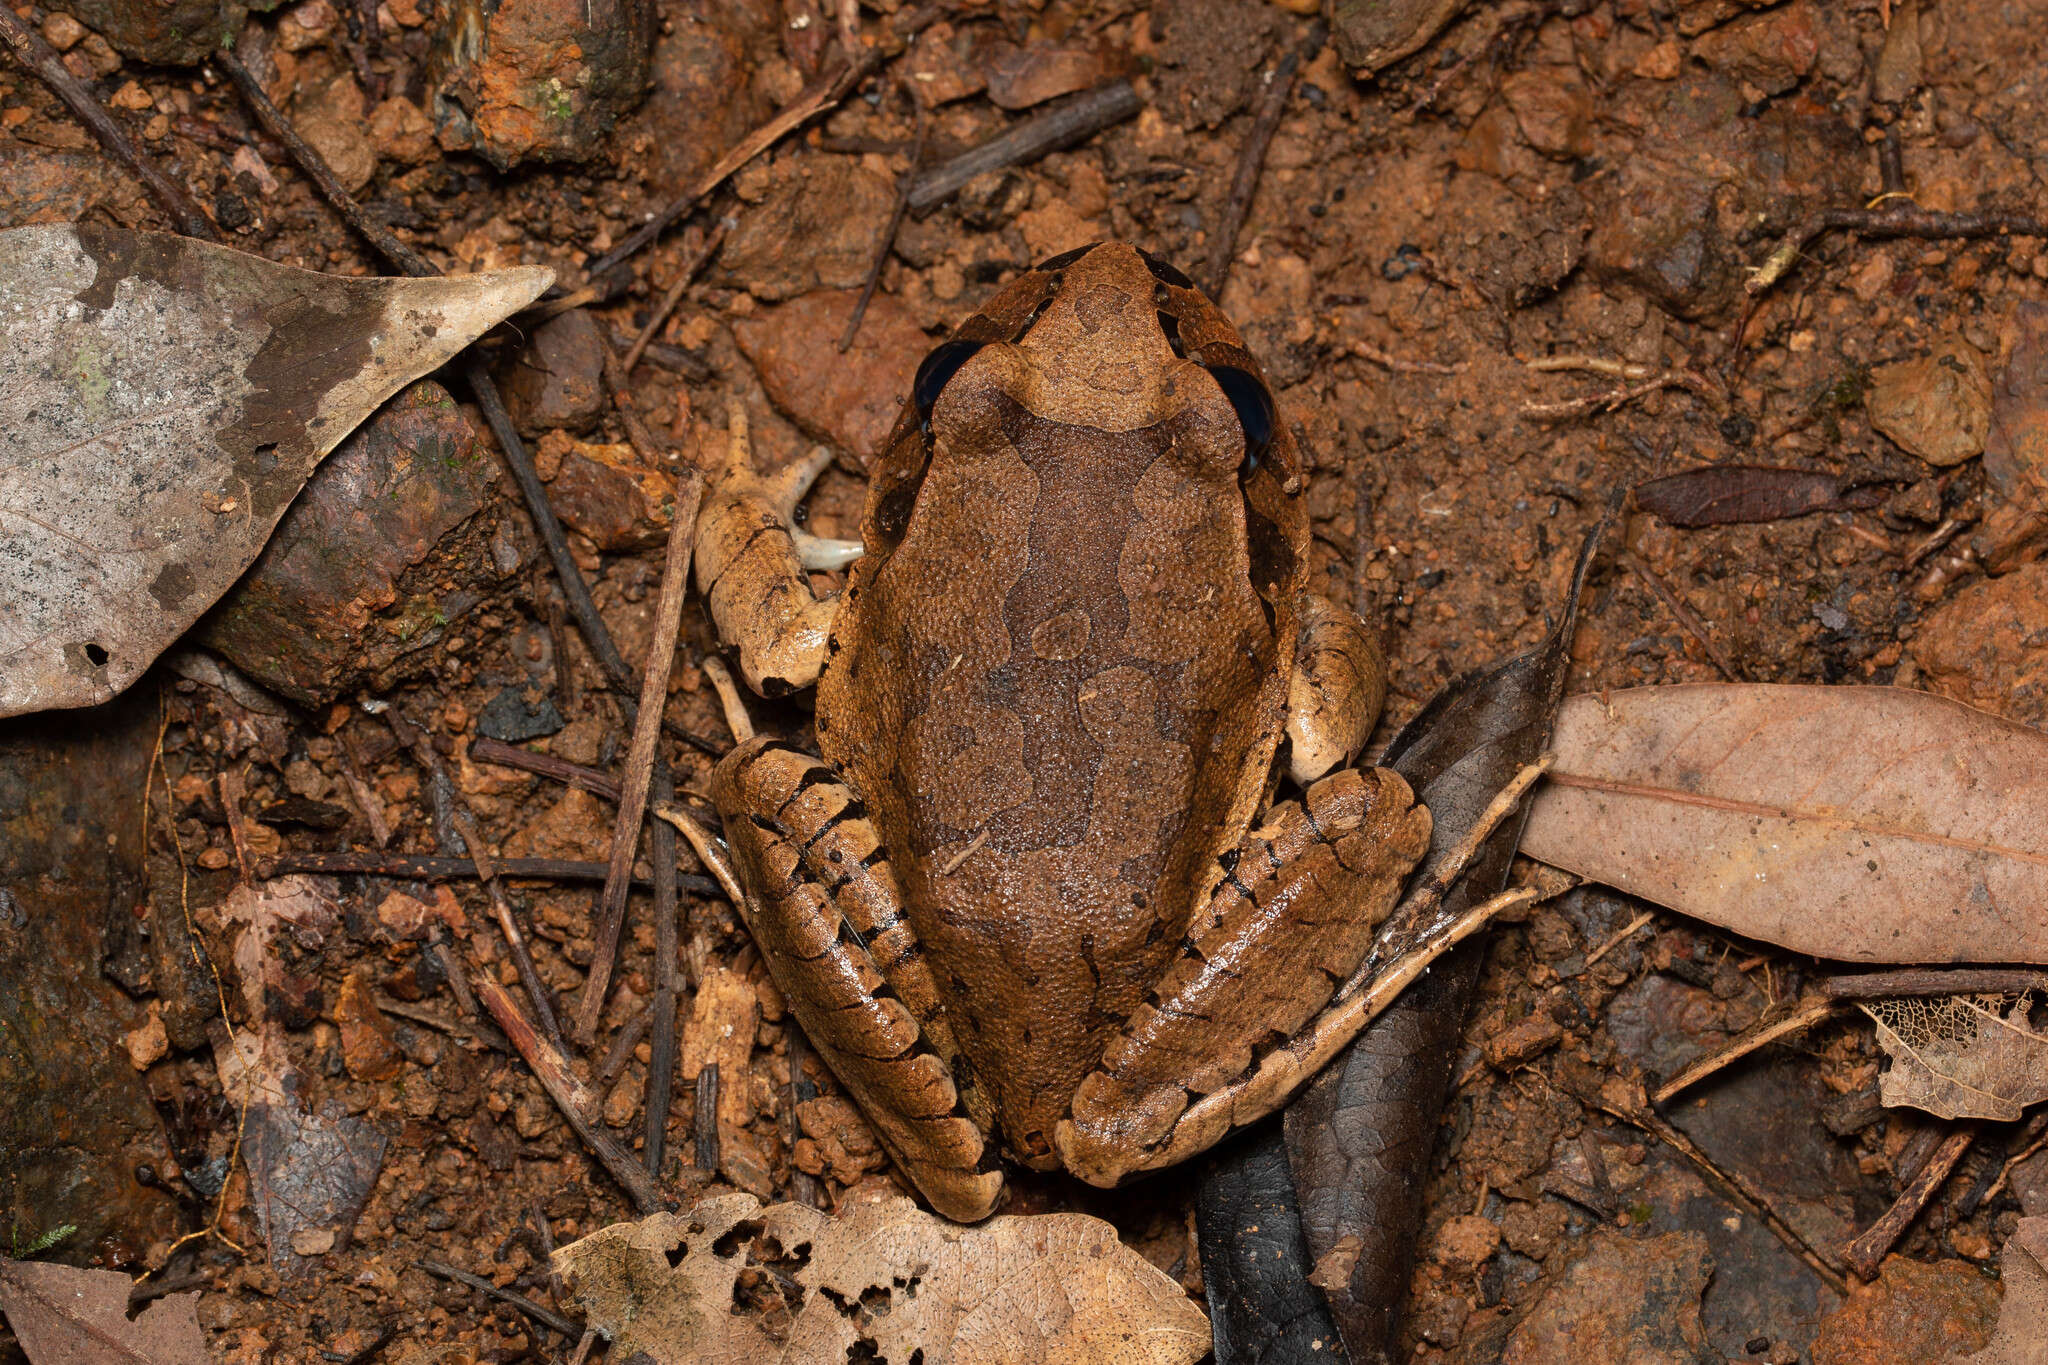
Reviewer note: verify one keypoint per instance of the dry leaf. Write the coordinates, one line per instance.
(161, 402)
(733, 1283)
(2022, 1335)
(67, 1316)
(1868, 824)
(1962, 1056)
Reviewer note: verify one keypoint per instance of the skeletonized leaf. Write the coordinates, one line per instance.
(732, 1283)
(67, 1316)
(2022, 1335)
(1867, 824)
(1962, 1056)
(161, 402)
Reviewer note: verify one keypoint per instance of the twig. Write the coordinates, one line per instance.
(1893, 220)
(1069, 121)
(821, 94)
(2005, 1170)
(661, 659)
(46, 66)
(1251, 157)
(1790, 1018)
(551, 1066)
(887, 237)
(803, 1185)
(661, 1056)
(1365, 350)
(1684, 615)
(622, 1046)
(1867, 1252)
(706, 1118)
(1619, 936)
(674, 296)
(1651, 380)
(315, 168)
(429, 867)
(548, 1318)
(423, 750)
(597, 782)
(1933, 981)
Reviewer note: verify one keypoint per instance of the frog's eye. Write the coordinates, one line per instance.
(1255, 413)
(937, 368)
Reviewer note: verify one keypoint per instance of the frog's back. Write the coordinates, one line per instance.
(1059, 689)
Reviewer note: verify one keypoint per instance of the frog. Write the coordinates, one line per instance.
(1084, 854)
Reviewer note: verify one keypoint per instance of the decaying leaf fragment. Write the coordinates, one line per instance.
(161, 402)
(63, 1315)
(1865, 824)
(1962, 1056)
(732, 1283)
(2022, 1335)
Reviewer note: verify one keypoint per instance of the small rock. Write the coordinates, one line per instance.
(1937, 407)
(1900, 62)
(328, 111)
(558, 379)
(1988, 645)
(1773, 51)
(1370, 37)
(514, 718)
(2016, 442)
(622, 1101)
(44, 185)
(604, 492)
(398, 533)
(1464, 1242)
(814, 227)
(942, 64)
(1553, 108)
(312, 1241)
(404, 917)
(1534, 1229)
(1912, 1311)
(61, 31)
(399, 131)
(368, 1048)
(147, 1044)
(1634, 1299)
(1019, 77)
(161, 32)
(1525, 1038)
(851, 403)
(132, 97)
(1661, 63)
(540, 80)
(306, 24)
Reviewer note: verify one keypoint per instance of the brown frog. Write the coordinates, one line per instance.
(1039, 889)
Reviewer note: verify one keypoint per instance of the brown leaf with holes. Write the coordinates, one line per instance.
(63, 1315)
(732, 1283)
(161, 402)
(2022, 1335)
(1866, 824)
(1962, 1056)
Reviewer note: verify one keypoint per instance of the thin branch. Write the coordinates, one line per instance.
(1251, 157)
(691, 269)
(1071, 120)
(429, 867)
(1684, 615)
(545, 1317)
(887, 238)
(1891, 221)
(46, 66)
(1867, 1252)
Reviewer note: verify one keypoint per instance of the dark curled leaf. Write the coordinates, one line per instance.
(1719, 495)
(1255, 1265)
(1360, 1137)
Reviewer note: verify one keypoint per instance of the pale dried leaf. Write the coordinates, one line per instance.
(1869, 824)
(161, 402)
(2022, 1335)
(887, 1279)
(67, 1316)
(1961, 1056)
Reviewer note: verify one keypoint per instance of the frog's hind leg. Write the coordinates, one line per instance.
(827, 917)
(1292, 916)
(753, 565)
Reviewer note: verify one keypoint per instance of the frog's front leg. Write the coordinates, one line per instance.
(753, 567)
(1339, 685)
(824, 909)
(1291, 917)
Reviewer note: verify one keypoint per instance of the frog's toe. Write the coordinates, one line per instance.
(963, 1196)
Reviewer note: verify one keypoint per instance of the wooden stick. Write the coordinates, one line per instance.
(1867, 1252)
(1933, 981)
(429, 867)
(887, 238)
(1803, 1014)
(674, 296)
(1251, 159)
(661, 658)
(46, 66)
(661, 1059)
(1069, 121)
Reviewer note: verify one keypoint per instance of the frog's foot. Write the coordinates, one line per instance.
(753, 566)
(825, 911)
(1340, 683)
(1292, 916)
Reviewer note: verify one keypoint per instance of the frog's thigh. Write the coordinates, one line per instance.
(1292, 919)
(824, 911)
(1340, 683)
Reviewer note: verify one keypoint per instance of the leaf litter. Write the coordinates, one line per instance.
(730, 1281)
(1962, 1056)
(162, 400)
(63, 1315)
